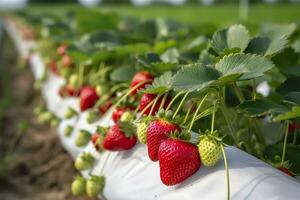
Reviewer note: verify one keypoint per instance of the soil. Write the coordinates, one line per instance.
(33, 164)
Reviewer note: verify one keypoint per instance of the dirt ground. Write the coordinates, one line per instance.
(34, 166)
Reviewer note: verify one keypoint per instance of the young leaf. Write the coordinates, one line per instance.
(194, 77)
(161, 84)
(234, 39)
(238, 37)
(171, 56)
(250, 66)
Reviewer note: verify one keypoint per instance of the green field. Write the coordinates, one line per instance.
(218, 14)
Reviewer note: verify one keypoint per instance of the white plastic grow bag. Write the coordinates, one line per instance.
(130, 175)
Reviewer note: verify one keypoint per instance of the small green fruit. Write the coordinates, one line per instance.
(92, 116)
(82, 138)
(126, 117)
(54, 122)
(45, 117)
(210, 150)
(84, 161)
(68, 130)
(78, 186)
(74, 81)
(70, 112)
(141, 132)
(95, 185)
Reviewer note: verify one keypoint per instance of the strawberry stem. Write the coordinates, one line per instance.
(187, 115)
(295, 136)
(213, 118)
(163, 101)
(227, 171)
(174, 98)
(180, 104)
(154, 104)
(81, 74)
(284, 143)
(130, 91)
(197, 110)
(146, 108)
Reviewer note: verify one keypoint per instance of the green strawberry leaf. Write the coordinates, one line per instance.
(237, 37)
(247, 65)
(296, 46)
(290, 85)
(258, 108)
(294, 113)
(78, 56)
(194, 77)
(272, 40)
(162, 67)
(160, 85)
(293, 97)
(232, 40)
(123, 74)
(170, 56)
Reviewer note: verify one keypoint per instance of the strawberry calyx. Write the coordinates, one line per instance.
(128, 128)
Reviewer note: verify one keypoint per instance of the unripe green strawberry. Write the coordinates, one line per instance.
(45, 117)
(210, 150)
(38, 110)
(84, 161)
(68, 130)
(92, 116)
(95, 185)
(82, 138)
(126, 117)
(74, 81)
(78, 186)
(70, 112)
(54, 122)
(141, 132)
(101, 90)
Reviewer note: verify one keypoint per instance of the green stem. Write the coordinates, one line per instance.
(252, 122)
(295, 137)
(129, 92)
(254, 90)
(154, 104)
(81, 74)
(163, 101)
(146, 108)
(213, 118)
(227, 172)
(284, 143)
(174, 98)
(238, 92)
(197, 110)
(181, 102)
(187, 115)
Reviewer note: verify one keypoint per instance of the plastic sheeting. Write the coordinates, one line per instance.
(131, 175)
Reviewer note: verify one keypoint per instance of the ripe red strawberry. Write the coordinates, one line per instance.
(158, 131)
(104, 107)
(66, 61)
(286, 171)
(53, 67)
(178, 160)
(117, 114)
(147, 99)
(61, 50)
(97, 140)
(72, 92)
(88, 97)
(294, 126)
(140, 77)
(116, 140)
